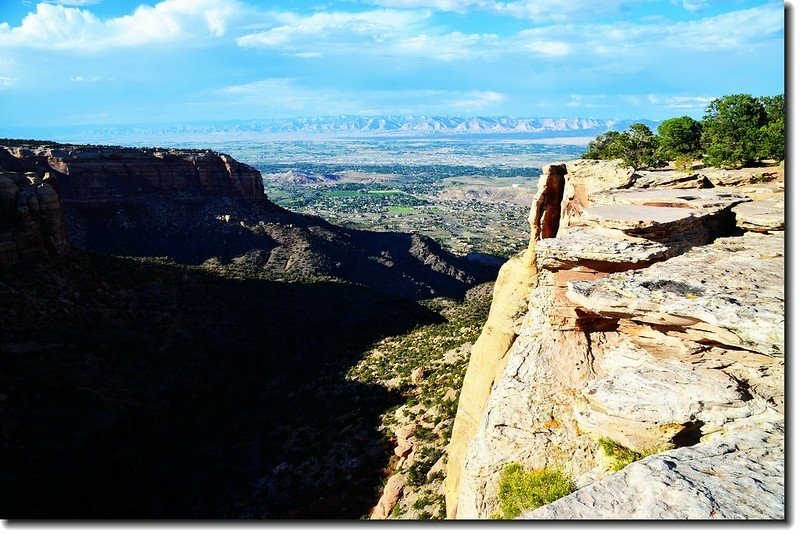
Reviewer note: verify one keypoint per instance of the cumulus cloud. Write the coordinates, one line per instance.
(458, 6)
(375, 26)
(539, 11)
(626, 44)
(59, 27)
(75, 2)
(549, 48)
(384, 31)
(449, 47)
(691, 5)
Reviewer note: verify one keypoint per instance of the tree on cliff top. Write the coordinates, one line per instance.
(637, 147)
(680, 136)
(773, 134)
(606, 146)
(737, 130)
(731, 130)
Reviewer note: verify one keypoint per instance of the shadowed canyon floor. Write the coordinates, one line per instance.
(141, 390)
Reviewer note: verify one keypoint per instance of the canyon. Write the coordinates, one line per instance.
(195, 207)
(178, 346)
(175, 346)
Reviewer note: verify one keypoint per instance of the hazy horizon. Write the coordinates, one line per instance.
(132, 62)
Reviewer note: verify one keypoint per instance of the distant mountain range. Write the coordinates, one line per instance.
(351, 126)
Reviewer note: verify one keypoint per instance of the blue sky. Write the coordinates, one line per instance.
(115, 62)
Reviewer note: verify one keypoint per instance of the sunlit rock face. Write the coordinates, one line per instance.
(655, 321)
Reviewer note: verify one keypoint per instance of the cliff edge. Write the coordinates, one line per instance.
(654, 320)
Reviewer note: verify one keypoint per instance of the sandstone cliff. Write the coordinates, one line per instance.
(39, 180)
(654, 319)
(199, 207)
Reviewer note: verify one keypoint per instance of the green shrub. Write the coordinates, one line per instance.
(684, 163)
(620, 455)
(521, 490)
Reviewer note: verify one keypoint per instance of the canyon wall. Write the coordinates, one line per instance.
(654, 319)
(38, 181)
(100, 173)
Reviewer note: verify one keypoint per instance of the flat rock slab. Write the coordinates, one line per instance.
(657, 213)
(736, 476)
(681, 198)
(760, 216)
(671, 179)
(730, 292)
(576, 246)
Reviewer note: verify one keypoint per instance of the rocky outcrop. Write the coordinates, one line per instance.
(40, 183)
(509, 304)
(391, 494)
(32, 223)
(97, 173)
(738, 476)
(649, 327)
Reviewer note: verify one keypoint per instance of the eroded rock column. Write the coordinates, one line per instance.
(517, 278)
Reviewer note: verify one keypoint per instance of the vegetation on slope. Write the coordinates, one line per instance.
(425, 368)
(522, 490)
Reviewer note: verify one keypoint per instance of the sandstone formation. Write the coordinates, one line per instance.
(92, 173)
(738, 476)
(391, 493)
(509, 304)
(671, 179)
(32, 223)
(656, 321)
(599, 175)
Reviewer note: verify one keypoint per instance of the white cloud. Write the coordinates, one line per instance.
(625, 46)
(276, 95)
(308, 55)
(680, 101)
(374, 26)
(691, 5)
(449, 47)
(57, 27)
(534, 10)
(75, 2)
(385, 32)
(458, 6)
(549, 48)
(586, 101)
(727, 31)
(6, 82)
(477, 100)
(82, 78)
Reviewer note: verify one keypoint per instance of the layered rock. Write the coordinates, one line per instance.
(97, 173)
(645, 326)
